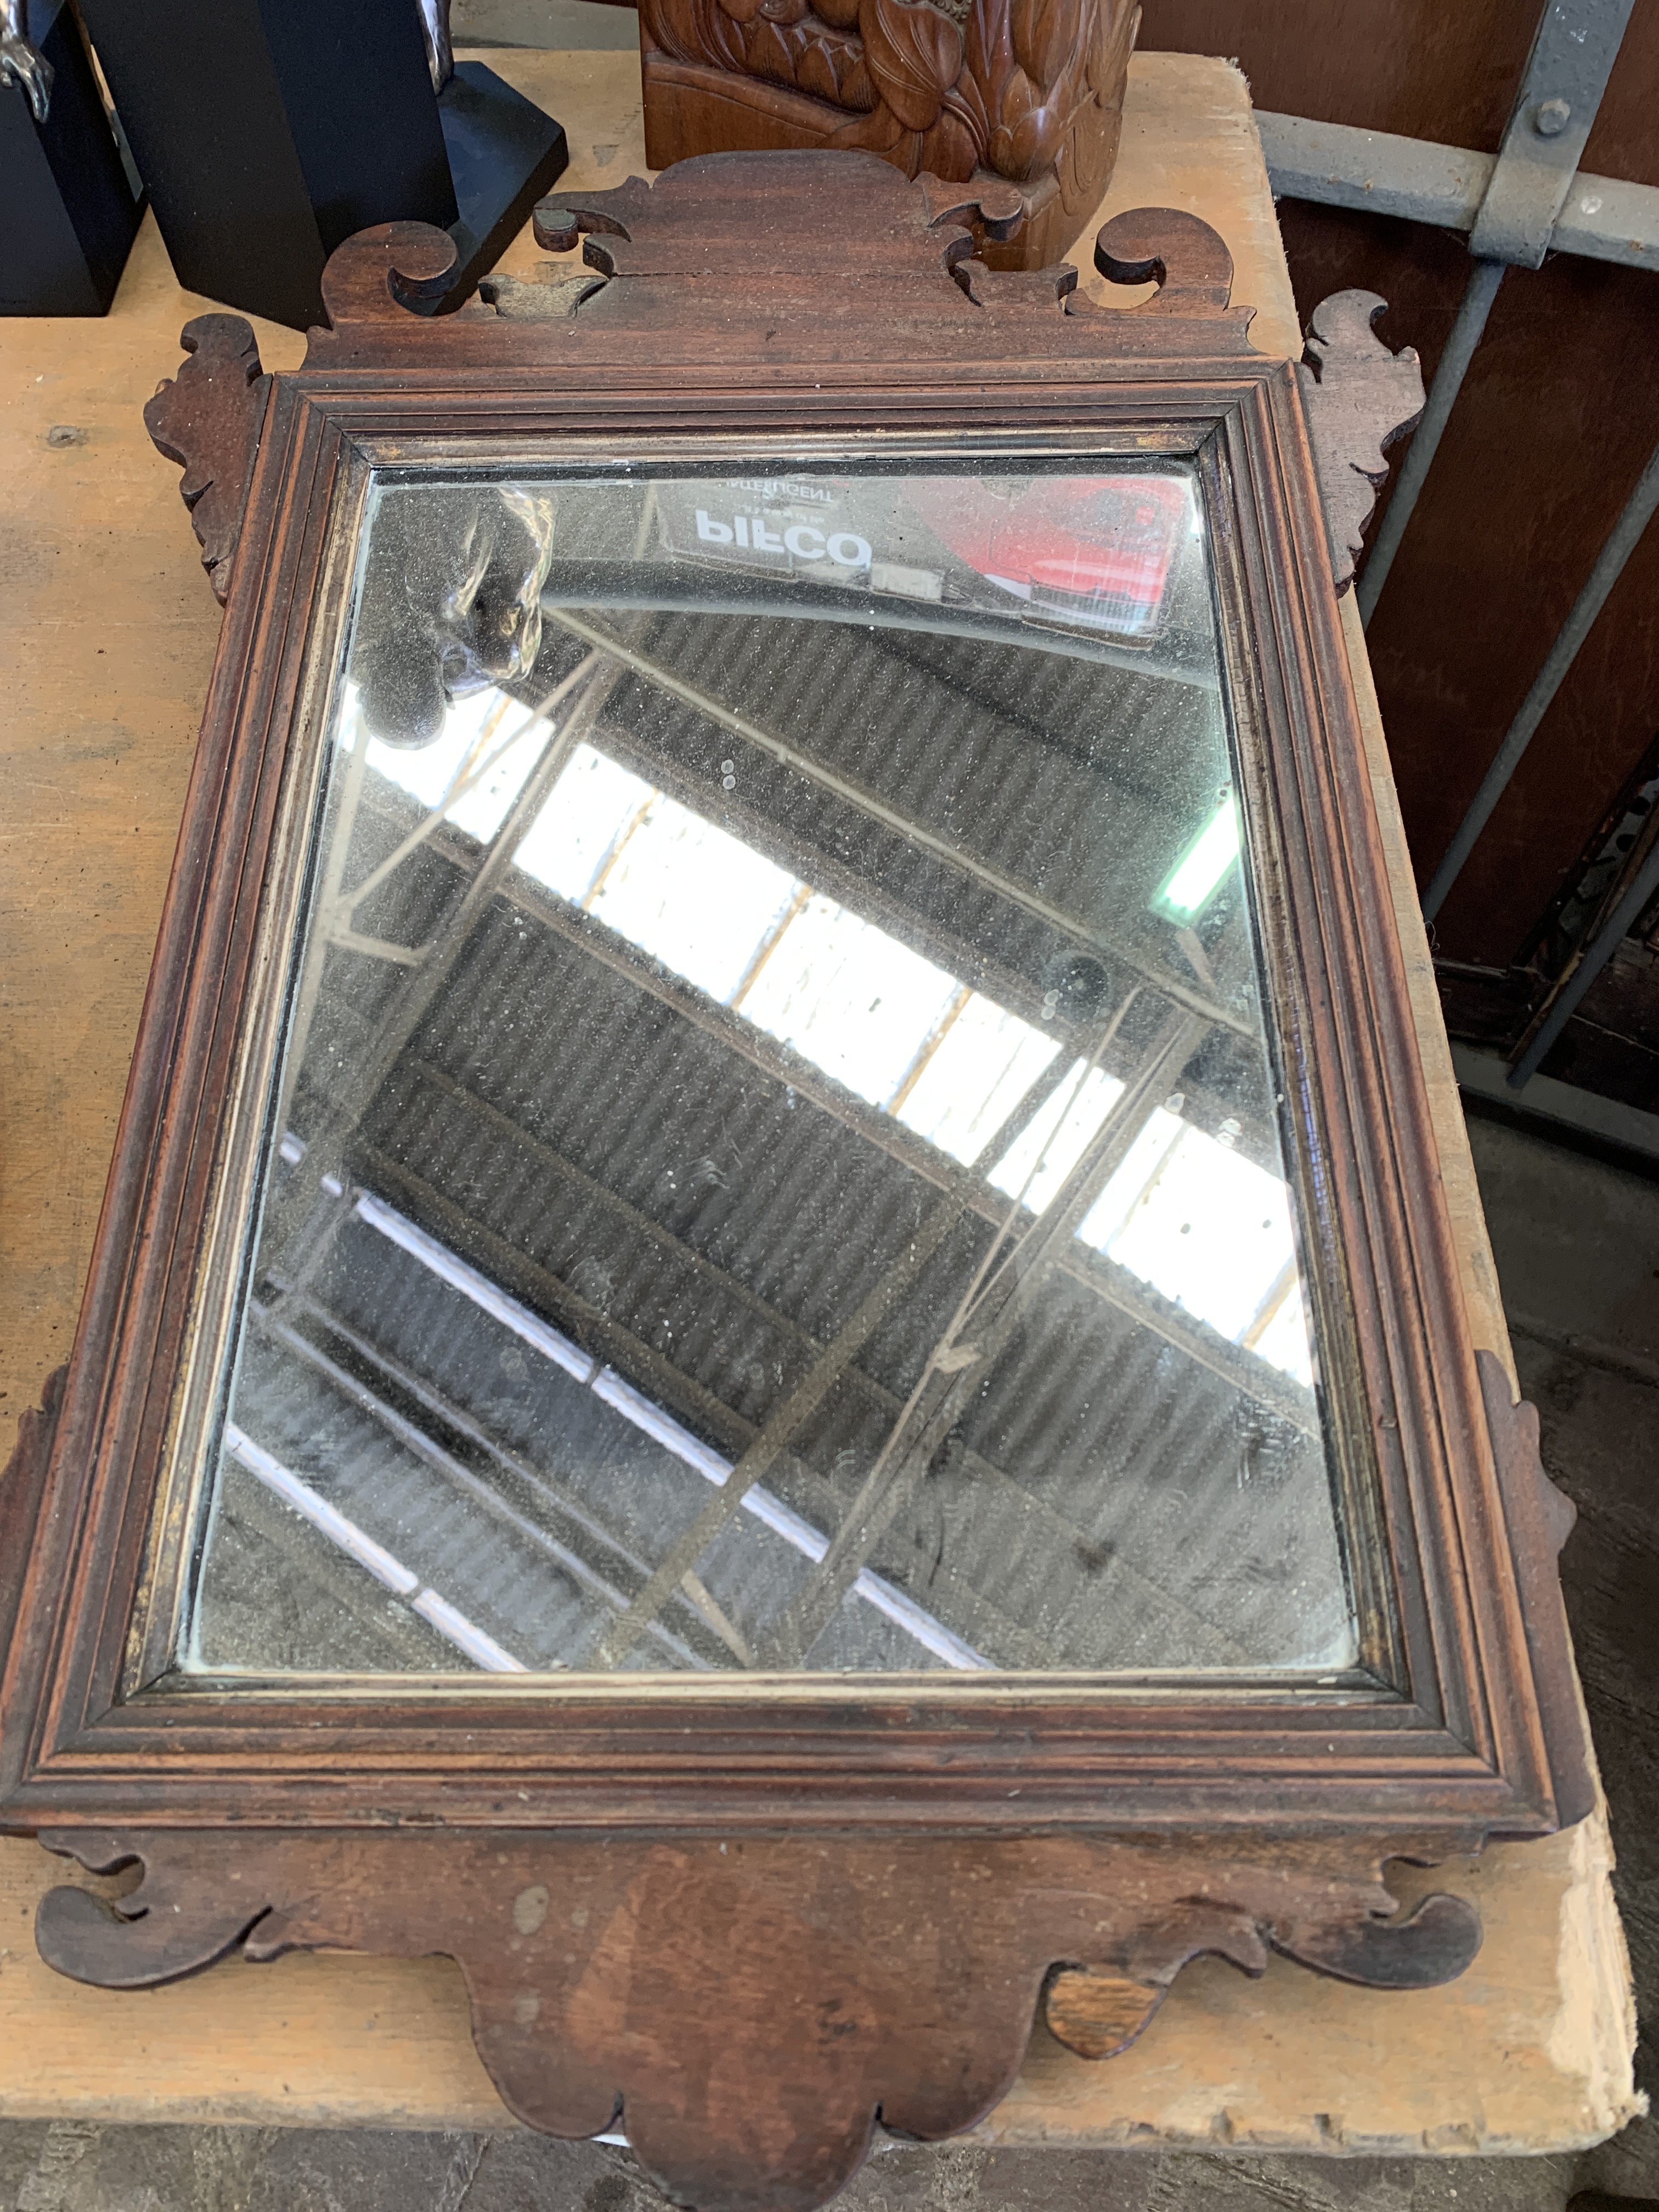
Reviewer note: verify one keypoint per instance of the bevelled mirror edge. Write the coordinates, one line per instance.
(248, 1084)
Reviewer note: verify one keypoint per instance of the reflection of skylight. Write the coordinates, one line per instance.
(633, 1405)
(1211, 1230)
(591, 807)
(1205, 1227)
(609, 842)
(1054, 1139)
(984, 1065)
(852, 998)
(1283, 1343)
(486, 731)
(1197, 875)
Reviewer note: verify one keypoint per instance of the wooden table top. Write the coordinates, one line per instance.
(108, 641)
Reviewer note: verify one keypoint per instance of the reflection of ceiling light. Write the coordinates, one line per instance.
(1194, 880)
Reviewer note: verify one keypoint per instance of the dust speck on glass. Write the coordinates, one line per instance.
(774, 1162)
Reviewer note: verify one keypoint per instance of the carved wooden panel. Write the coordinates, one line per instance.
(207, 418)
(1359, 398)
(747, 2007)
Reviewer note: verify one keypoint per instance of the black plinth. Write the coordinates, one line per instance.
(270, 130)
(68, 212)
(504, 153)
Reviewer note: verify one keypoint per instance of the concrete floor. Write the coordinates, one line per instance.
(1577, 1246)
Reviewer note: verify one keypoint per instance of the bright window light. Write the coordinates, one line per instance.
(694, 898)
(1185, 1211)
(1137, 1170)
(1056, 1136)
(850, 997)
(429, 772)
(1208, 1229)
(987, 1062)
(1197, 875)
(592, 804)
(1283, 1343)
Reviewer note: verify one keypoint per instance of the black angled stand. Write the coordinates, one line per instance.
(68, 210)
(504, 153)
(268, 131)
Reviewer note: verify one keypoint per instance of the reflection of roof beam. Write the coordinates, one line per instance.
(344, 1533)
(543, 1488)
(559, 1169)
(977, 1615)
(976, 1338)
(659, 589)
(1254, 1379)
(407, 1004)
(904, 826)
(799, 1406)
(965, 957)
(415, 1438)
(635, 1407)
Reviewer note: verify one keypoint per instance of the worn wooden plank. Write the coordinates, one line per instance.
(1530, 2050)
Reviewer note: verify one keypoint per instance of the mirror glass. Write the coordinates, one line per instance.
(775, 1158)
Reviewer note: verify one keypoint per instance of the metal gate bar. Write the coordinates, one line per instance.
(1528, 199)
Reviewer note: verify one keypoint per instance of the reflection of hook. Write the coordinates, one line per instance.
(1188, 262)
(450, 601)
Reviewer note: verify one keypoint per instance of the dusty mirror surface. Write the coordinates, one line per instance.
(774, 1160)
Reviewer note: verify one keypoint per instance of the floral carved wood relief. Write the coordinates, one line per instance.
(1029, 94)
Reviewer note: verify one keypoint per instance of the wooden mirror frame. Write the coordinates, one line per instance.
(753, 1917)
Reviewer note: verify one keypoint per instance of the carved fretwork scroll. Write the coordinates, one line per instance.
(1359, 398)
(207, 418)
(746, 2008)
(691, 261)
(650, 251)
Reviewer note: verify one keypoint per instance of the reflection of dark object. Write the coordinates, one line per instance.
(71, 211)
(1080, 986)
(22, 64)
(450, 601)
(270, 130)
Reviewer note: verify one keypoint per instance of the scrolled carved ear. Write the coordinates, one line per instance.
(389, 270)
(163, 1929)
(206, 419)
(558, 223)
(1359, 397)
(1185, 259)
(1415, 1950)
(985, 204)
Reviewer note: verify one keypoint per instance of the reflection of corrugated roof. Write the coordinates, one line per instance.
(1113, 1486)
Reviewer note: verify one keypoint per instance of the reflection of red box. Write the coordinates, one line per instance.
(1094, 549)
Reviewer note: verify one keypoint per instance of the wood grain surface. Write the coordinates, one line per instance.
(110, 644)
